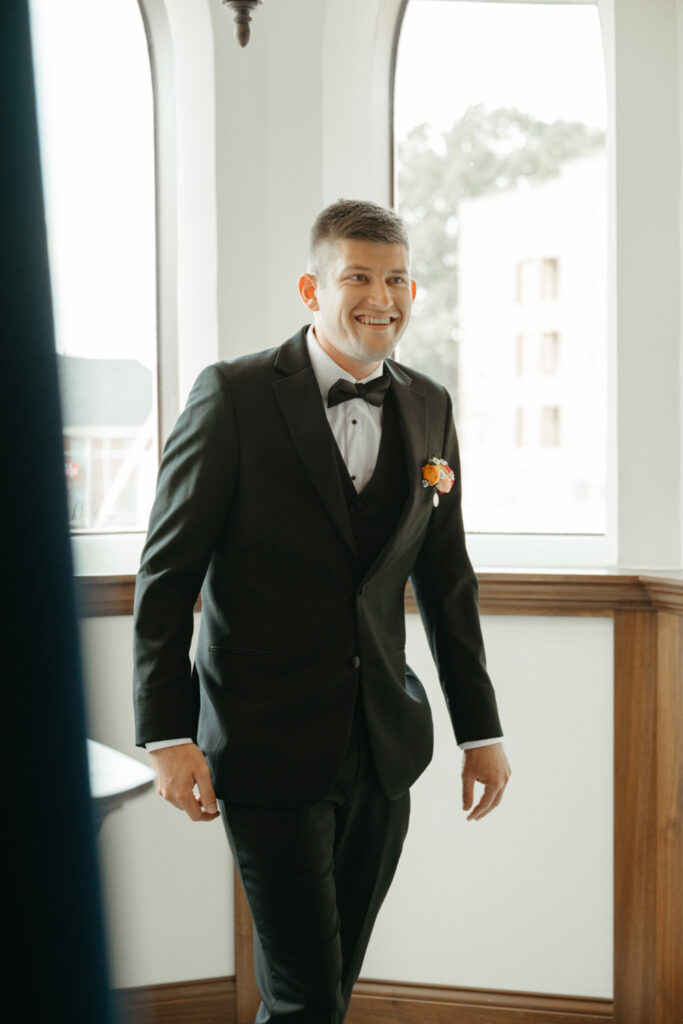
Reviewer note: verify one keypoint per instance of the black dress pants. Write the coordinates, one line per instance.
(315, 879)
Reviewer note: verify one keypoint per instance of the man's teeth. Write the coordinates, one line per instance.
(375, 319)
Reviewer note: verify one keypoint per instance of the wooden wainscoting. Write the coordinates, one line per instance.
(385, 1002)
(208, 1001)
(648, 811)
(214, 1001)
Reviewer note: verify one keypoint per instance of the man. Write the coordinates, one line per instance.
(301, 487)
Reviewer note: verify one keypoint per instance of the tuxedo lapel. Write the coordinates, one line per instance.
(411, 407)
(412, 414)
(298, 395)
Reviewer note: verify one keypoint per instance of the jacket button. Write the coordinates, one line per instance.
(355, 661)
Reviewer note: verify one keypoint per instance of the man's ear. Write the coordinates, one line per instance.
(308, 286)
(413, 288)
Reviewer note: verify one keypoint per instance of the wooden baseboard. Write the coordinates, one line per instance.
(385, 1002)
(214, 1001)
(207, 1001)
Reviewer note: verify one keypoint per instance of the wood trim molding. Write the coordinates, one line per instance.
(635, 648)
(594, 594)
(248, 998)
(648, 811)
(665, 593)
(500, 593)
(210, 1000)
(216, 1001)
(387, 1002)
(527, 593)
(668, 912)
(99, 596)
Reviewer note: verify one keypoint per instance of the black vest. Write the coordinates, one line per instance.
(375, 512)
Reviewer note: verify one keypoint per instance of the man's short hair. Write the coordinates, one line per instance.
(353, 218)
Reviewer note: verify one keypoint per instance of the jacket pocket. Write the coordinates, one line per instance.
(248, 652)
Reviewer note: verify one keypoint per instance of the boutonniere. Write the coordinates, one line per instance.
(437, 474)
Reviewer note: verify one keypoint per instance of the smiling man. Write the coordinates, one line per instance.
(300, 489)
(361, 294)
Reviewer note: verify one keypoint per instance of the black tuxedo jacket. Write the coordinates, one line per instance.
(250, 508)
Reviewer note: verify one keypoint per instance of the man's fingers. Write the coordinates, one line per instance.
(467, 791)
(192, 809)
(207, 797)
(488, 801)
(204, 815)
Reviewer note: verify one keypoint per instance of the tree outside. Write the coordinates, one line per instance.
(485, 151)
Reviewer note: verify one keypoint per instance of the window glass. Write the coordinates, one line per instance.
(500, 155)
(95, 110)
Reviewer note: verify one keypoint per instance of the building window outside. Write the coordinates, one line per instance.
(501, 179)
(550, 427)
(550, 278)
(550, 351)
(97, 151)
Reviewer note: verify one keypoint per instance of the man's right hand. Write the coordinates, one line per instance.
(179, 769)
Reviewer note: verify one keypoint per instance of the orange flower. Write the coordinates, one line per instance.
(439, 475)
(431, 474)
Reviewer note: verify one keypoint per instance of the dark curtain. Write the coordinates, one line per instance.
(54, 959)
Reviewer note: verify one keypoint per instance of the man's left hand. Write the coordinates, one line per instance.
(487, 765)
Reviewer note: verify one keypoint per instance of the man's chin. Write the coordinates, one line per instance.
(372, 350)
(362, 351)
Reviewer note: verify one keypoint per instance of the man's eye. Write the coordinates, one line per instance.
(398, 280)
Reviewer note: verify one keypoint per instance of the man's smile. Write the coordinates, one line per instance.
(376, 321)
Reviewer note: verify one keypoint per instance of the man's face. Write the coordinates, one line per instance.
(363, 306)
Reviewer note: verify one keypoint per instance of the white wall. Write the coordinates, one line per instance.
(522, 899)
(645, 67)
(168, 881)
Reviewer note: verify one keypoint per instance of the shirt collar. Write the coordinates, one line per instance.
(326, 370)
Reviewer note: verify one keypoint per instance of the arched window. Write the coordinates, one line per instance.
(96, 121)
(500, 159)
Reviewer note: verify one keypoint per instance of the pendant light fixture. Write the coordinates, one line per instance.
(242, 10)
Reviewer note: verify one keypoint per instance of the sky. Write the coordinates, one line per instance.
(544, 59)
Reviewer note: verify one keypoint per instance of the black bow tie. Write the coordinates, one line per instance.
(373, 391)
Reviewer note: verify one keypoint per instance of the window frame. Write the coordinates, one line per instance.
(159, 395)
(180, 44)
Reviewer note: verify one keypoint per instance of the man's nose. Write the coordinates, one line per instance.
(379, 294)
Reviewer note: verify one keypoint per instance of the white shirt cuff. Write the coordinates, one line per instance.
(159, 744)
(471, 744)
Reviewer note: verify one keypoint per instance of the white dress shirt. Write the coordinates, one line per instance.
(357, 429)
(356, 424)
